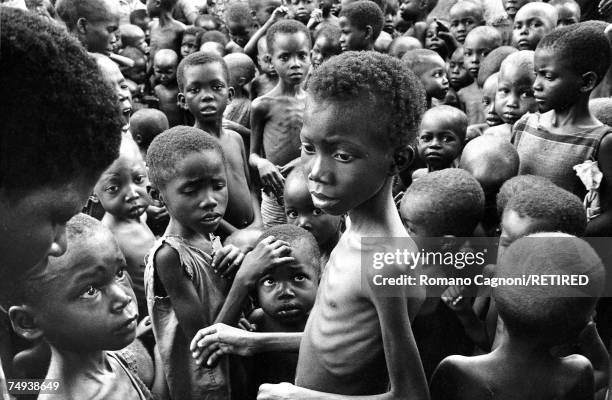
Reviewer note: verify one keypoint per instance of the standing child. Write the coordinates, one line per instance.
(465, 16)
(204, 92)
(83, 306)
(285, 295)
(276, 117)
(532, 22)
(165, 62)
(361, 23)
(431, 70)
(459, 77)
(326, 45)
(166, 32)
(267, 79)
(478, 43)
(535, 319)
(239, 22)
(122, 192)
(564, 133)
(441, 138)
(514, 97)
(145, 124)
(356, 135)
(301, 212)
(191, 41)
(186, 276)
(241, 71)
(489, 91)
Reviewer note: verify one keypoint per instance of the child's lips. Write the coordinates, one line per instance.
(129, 325)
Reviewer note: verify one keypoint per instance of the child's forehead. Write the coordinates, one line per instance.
(290, 41)
(464, 9)
(475, 40)
(515, 72)
(211, 71)
(165, 60)
(206, 162)
(534, 11)
(490, 84)
(435, 120)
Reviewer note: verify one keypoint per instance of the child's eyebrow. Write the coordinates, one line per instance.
(89, 274)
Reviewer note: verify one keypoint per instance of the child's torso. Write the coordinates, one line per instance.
(281, 135)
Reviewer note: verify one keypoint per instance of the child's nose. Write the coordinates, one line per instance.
(286, 291)
(58, 246)
(120, 297)
(304, 222)
(208, 201)
(317, 172)
(132, 193)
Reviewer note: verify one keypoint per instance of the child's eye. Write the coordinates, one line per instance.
(268, 282)
(90, 292)
(343, 157)
(526, 94)
(111, 189)
(193, 90)
(139, 179)
(308, 148)
(317, 212)
(219, 185)
(425, 138)
(299, 278)
(448, 139)
(120, 273)
(292, 214)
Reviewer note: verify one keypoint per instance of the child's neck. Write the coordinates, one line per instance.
(377, 216)
(288, 89)
(165, 18)
(576, 114)
(110, 219)
(522, 349)
(198, 239)
(212, 127)
(72, 365)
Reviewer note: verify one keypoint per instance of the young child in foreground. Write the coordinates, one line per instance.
(371, 122)
(285, 295)
(186, 275)
(447, 203)
(276, 117)
(431, 69)
(564, 133)
(441, 138)
(535, 318)
(205, 92)
(82, 304)
(301, 212)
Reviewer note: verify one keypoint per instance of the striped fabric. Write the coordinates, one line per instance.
(553, 155)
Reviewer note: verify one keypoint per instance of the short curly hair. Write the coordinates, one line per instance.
(196, 32)
(554, 210)
(195, 59)
(519, 184)
(578, 44)
(214, 36)
(71, 10)
(455, 201)
(288, 27)
(601, 108)
(171, 146)
(60, 119)
(363, 13)
(296, 236)
(419, 60)
(379, 80)
(492, 63)
(238, 11)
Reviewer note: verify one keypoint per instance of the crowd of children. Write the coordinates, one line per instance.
(235, 157)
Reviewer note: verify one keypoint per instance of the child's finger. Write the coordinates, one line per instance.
(232, 267)
(227, 261)
(214, 358)
(201, 335)
(220, 255)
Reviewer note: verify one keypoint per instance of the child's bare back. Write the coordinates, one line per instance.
(168, 104)
(281, 117)
(166, 36)
(262, 84)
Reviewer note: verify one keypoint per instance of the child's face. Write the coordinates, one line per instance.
(438, 145)
(101, 34)
(344, 159)
(140, 43)
(89, 304)
(113, 75)
(165, 70)
(512, 6)
(432, 40)
(477, 47)
(206, 92)
(196, 196)
(33, 227)
(352, 38)
(287, 292)
(459, 75)
(138, 73)
(513, 227)
(567, 14)
(301, 212)
(410, 10)
(514, 95)
(323, 49)
(122, 188)
(462, 20)
(265, 10)
(290, 53)
(556, 85)
(434, 78)
(188, 45)
(302, 9)
(238, 32)
(489, 91)
(263, 57)
(529, 28)
(153, 9)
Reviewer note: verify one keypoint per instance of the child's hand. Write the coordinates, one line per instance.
(245, 325)
(271, 177)
(278, 14)
(316, 16)
(287, 168)
(453, 298)
(209, 344)
(226, 260)
(281, 391)
(267, 254)
(449, 39)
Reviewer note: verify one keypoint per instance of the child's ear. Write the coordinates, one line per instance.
(155, 194)
(138, 138)
(181, 100)
(369, 32)
(402, 158)
(81, 25)
(24, 322)
(242, 81)
(94, 198)
(230, 94)
(589, 81)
